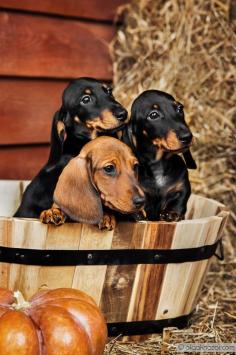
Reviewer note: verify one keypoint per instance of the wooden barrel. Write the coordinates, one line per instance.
(138, 274)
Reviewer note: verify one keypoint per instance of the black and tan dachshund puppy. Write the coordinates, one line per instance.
(157, 132)
(88, 110)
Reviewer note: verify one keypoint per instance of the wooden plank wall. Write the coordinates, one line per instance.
(43, 44)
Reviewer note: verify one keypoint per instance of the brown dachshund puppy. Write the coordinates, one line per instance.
(101, 178)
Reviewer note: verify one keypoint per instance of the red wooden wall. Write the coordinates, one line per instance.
(43, 44)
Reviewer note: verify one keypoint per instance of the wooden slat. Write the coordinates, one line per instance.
(49, 47)
(11, 194)
(25, 234)
(4, 241)
(199, 207)
(224, 214)
(142, 306)
(90, 279)
(27, 108)
(119, 279)
(60, 276)
(92, 9)
(22, 162)
(178, 280)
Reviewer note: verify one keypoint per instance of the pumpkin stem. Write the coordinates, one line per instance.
(20, 302)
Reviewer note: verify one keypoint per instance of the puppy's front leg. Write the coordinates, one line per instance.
(53, 215)
(108, 222)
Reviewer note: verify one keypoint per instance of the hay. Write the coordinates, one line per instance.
(188, 48)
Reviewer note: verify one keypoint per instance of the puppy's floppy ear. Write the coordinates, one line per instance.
(75, 193)
(58, 136)
(189, 161)
(135, 117)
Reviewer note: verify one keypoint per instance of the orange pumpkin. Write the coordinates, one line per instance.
(63, 321)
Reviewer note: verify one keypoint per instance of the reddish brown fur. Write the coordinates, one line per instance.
(171, 142)
(83, 185)
(105, 122)
(60, 127)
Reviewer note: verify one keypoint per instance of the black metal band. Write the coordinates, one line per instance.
(105, 257)
(147, 326)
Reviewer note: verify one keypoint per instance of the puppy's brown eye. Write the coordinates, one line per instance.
(85, 99)
(153, 115)
(179, 108)
(110, 169)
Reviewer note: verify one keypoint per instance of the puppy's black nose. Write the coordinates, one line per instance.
(186, 137)
(138, 201)
(121, 114)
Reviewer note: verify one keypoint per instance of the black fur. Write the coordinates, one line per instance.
(68, 142)
(163, 173)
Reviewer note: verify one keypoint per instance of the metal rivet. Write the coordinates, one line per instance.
(47, 256)
(90, 256)
(113, 329)
(22, 256)
(156, 257)
(17, 254)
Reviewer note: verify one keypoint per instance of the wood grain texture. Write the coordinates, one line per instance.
(92, 9)
(199, 207)
(38, 46)
(224, 215)
(119, 279)
(90, 279)
(179, 278)
(27, 108)
(22, 162)
(65, 237)
(125, 292)
(25, 234)
(145, 296)
(10, 194)
(5, 225)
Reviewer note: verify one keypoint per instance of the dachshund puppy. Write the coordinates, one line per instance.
(88, 110)
(100, 180)
(157, 132)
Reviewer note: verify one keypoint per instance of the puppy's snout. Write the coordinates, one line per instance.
(186, 137)
(139, 201)
(121, 114)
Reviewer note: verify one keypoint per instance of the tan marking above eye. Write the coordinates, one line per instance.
(155, 106)
(76, 119)
(145, 133)
(60, 127)
(88, 91)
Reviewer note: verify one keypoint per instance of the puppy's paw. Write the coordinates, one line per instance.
(171, 216)
(108, 222)
(54, 216)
